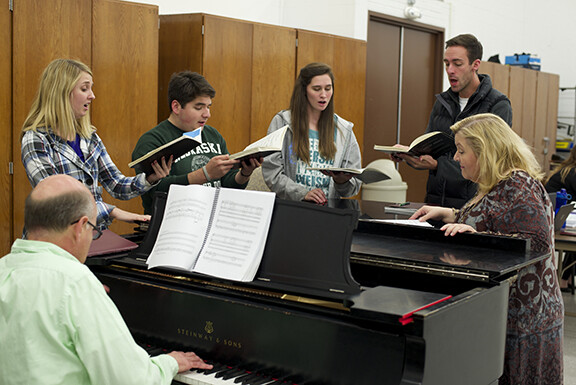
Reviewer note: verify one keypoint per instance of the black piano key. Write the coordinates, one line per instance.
(224, 371)
(250, 369)
(261, 381)
(233, 373)
(216, 367)
(246, 380)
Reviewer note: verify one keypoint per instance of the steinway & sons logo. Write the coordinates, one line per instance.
(208, 335)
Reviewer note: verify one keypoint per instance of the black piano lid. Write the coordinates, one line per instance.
(393, 304)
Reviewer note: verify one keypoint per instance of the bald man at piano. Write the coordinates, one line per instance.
(57, 324)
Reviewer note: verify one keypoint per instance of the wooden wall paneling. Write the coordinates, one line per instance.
(228, 67)
(349, 66)
(529, 105)
(516, 96)
(382, 88)
(5, 130)
(43, 31)
(273, 69)
(125, 68)
(541, 118)
(499, 74)
(180, 48)
(314, 47)
(552, 117)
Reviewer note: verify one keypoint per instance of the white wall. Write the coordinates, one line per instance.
(504, 27)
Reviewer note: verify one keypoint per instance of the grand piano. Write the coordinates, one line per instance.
(341, 298)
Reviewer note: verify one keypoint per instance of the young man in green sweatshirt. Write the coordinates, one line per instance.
(190, 97)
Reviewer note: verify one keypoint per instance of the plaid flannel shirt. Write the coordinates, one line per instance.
(45, 154)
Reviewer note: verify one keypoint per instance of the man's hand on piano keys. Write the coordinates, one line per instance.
(188, 360)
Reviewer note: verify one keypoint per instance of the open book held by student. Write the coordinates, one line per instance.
(175, 148)
(434, 143)
(263, 147)
(219, 232)
(366, 175)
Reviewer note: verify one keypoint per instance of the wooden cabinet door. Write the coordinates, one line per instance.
(349, 66)
(227, 65)
(552, 118)
(347, 57)
(516, 96)
(125, 68)
(545, 118)
(534, 99)
(314, 47)
(499, 74)
(273, 70)
(180, 48)
(5, 130)
(42, 31)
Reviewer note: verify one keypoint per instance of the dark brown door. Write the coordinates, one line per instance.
(403, 73)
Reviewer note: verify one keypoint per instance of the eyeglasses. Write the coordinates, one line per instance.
(96, 232)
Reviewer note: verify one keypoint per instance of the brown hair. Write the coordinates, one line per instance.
(468, 41)
(565, 167)
(299, 114)
(186, 86)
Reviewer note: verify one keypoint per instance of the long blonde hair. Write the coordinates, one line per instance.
(299, 114)
(51, 107)
(498, 148)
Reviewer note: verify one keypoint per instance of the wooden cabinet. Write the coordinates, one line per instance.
(253, 66)
(534, 99)
(5, 129)
(125, 67)
(119, 41)
(347, 57)
(35, 24)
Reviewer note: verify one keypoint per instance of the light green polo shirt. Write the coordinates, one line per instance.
(58, 325)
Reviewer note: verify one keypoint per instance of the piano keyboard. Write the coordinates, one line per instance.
(199, 378)
(230, 375)
(222, 374)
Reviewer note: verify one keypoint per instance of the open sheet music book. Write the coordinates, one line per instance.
(434, 143)
(263, 147)
(215, 231)
(365, 175)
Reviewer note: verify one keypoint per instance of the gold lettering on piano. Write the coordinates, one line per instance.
(206, 335)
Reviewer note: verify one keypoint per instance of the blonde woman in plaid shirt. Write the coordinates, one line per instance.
(58, 138)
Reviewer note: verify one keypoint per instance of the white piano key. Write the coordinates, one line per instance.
(194, 378)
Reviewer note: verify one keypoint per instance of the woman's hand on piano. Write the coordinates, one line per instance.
(456, 228)
(188, 360)
(443, 214)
